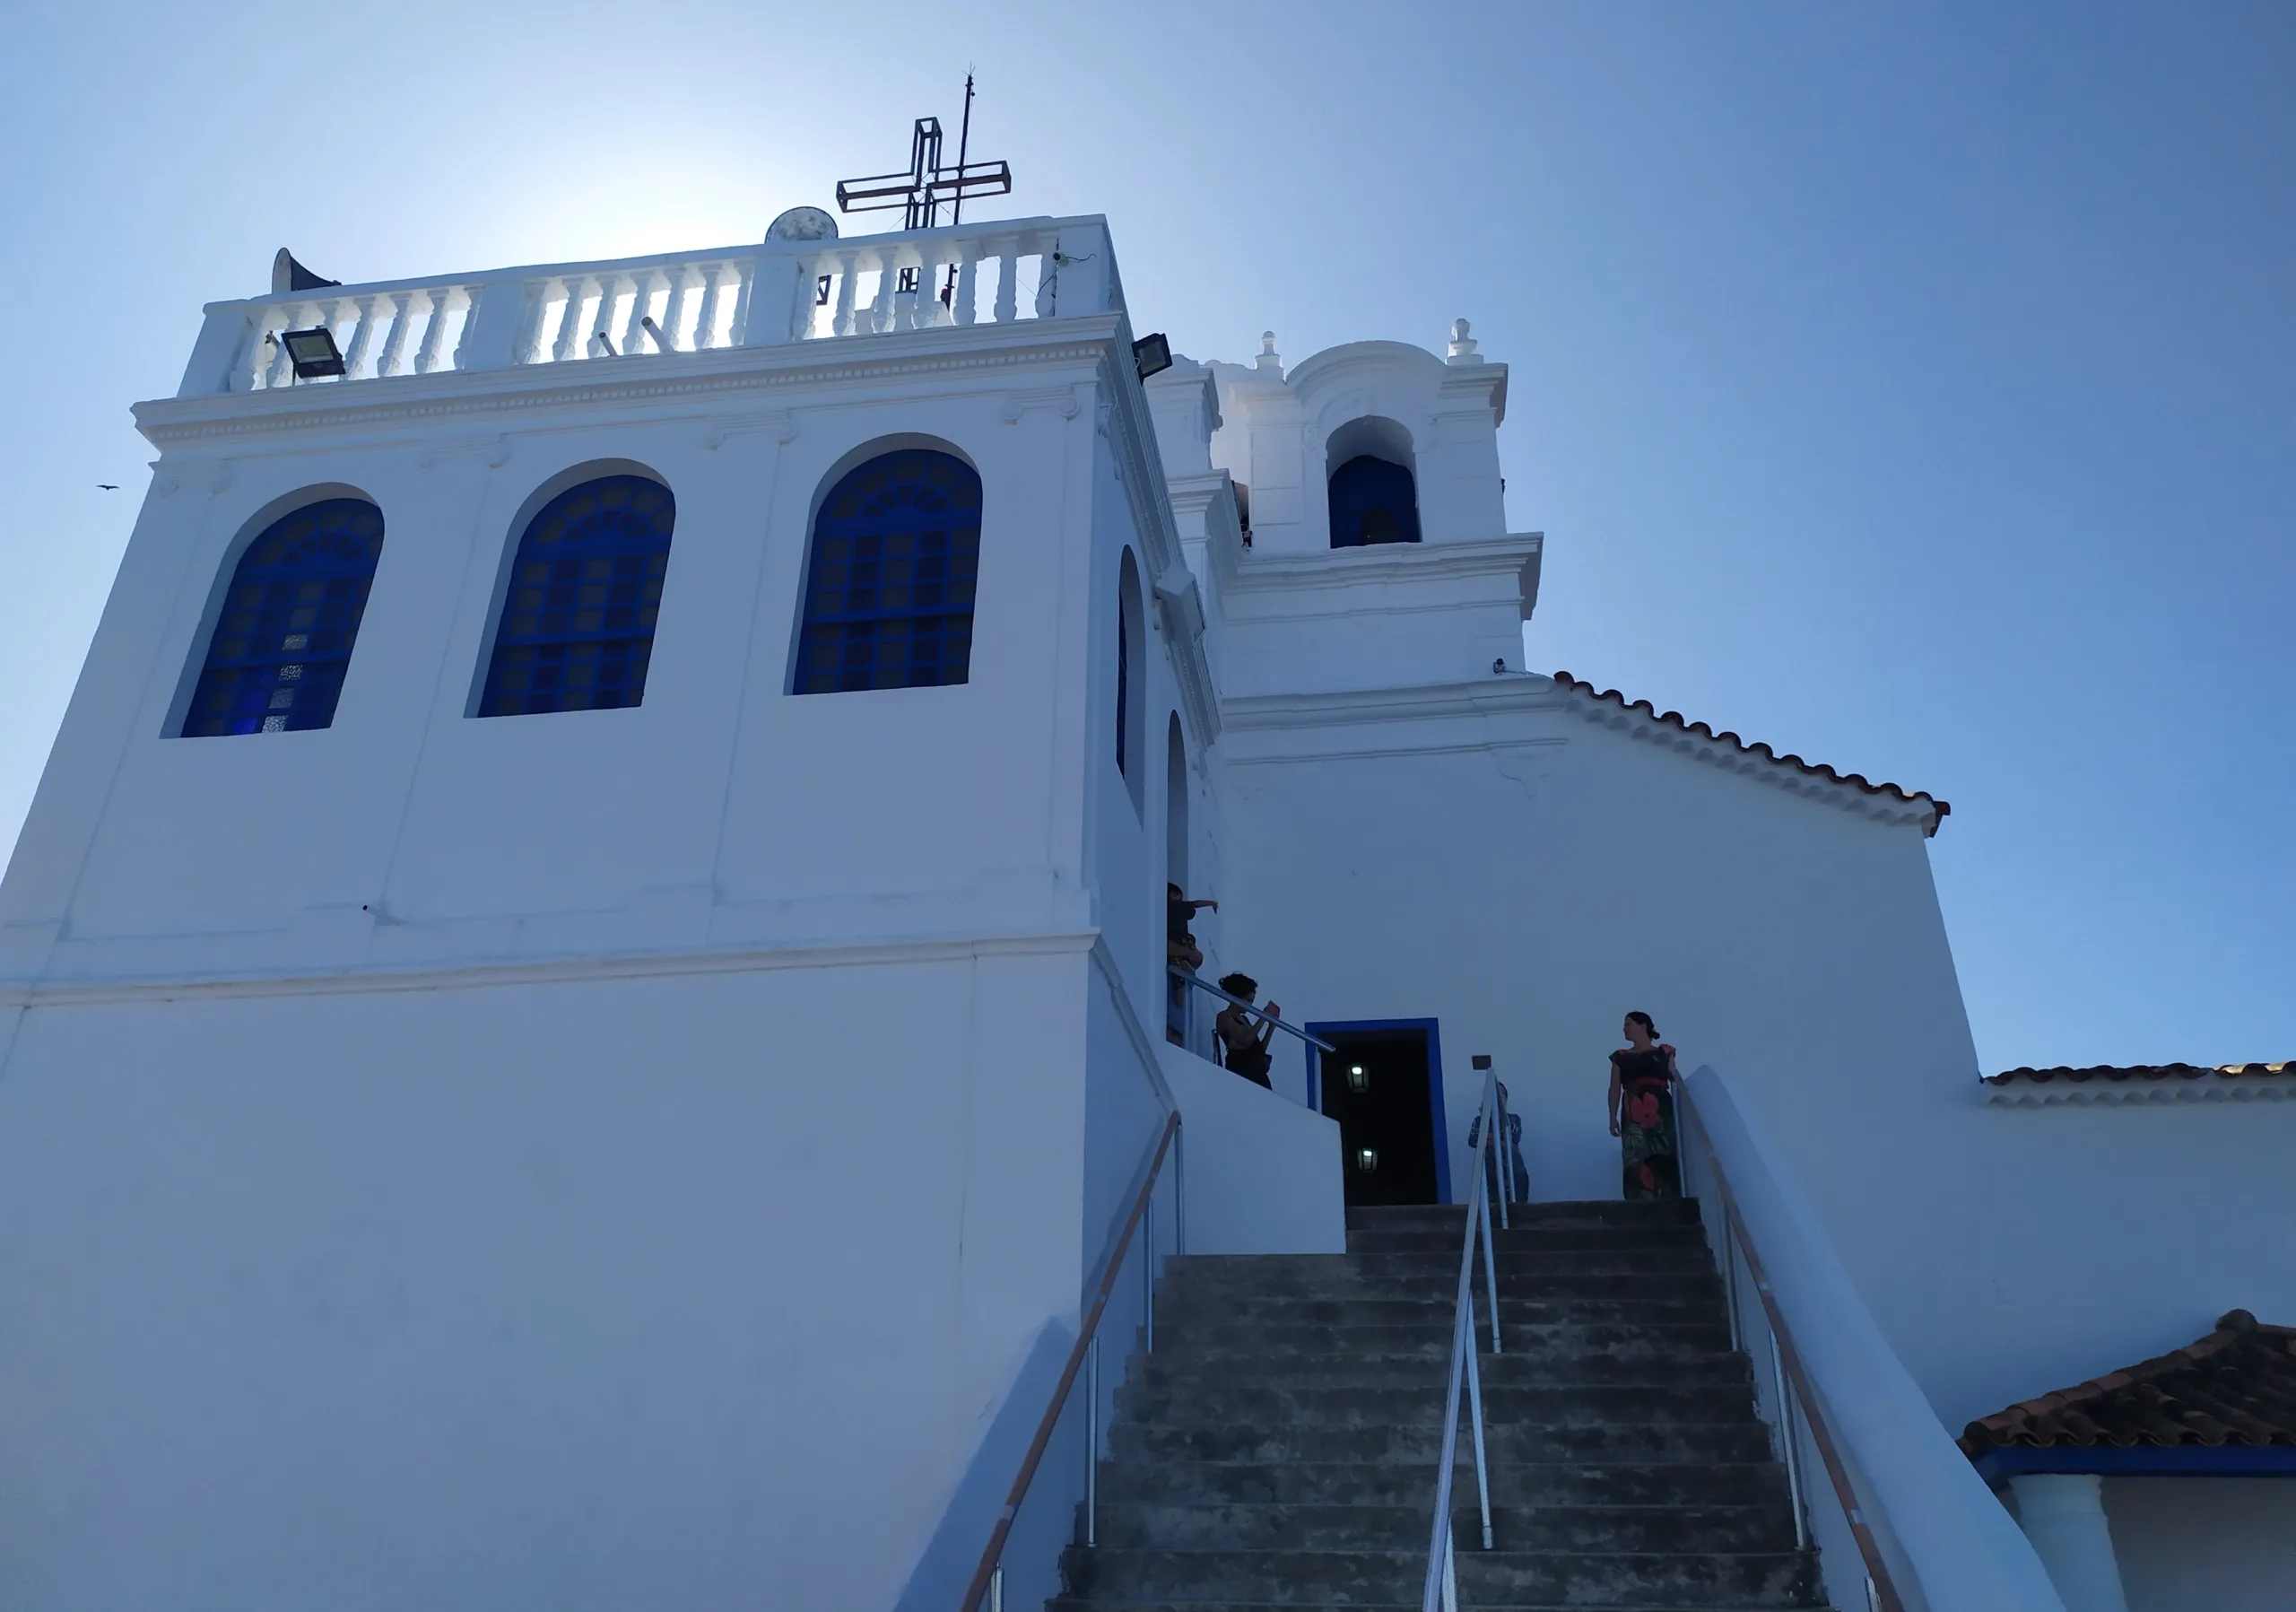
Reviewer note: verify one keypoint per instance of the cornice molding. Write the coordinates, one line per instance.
(1131, 432)
(477, 976)
(723, 372)
(1380, 565)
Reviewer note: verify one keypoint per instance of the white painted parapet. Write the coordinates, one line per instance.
(2064, 1514)
(1934, 1513)
(755, 296)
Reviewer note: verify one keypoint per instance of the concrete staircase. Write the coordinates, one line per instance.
(1279, 1448)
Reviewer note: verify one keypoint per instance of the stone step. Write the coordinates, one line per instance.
(1312, 1402)
(1405, 1309)
(1207, 1336)
(1065, 1603)
(1442, 1268)
(1760, 1483)
(1438, 1243)
(1178, 1361)
(1348, 1577)
(1230, 1526)
(1551, 1212)
(1685, 1286)
(1669, 1443)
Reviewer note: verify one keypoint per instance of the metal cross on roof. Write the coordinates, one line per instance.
(921, 192)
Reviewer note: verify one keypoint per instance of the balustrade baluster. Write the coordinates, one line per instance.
(745, 275)
(1048, 278)
(841, 322)
(928, 286)
(705, 324)
(394, 356)
(527, 345)
(569, 341)
(880, 316)
(248, 361)
(967, 269)
(426, 358)
(1007, 253)
(634, 338)
(277, 321)
(601, 323)
(673, 312)
(361, 338)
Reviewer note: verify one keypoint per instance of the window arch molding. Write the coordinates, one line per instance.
(540, 498)
(821, 631)
(1368, 503)
(1132, 681)
(199, 653)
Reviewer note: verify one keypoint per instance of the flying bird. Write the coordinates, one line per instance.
(107, 486)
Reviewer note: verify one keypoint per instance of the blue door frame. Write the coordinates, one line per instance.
(1434, 1081)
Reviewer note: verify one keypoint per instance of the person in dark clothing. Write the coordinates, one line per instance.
(1179, 944)
(1504, 1169)
(1642, 1111)
(1180, 951)
(1245, 1043)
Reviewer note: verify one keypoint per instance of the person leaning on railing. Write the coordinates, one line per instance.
(1642, 1111)
(1180, 951)
(1245, 1045)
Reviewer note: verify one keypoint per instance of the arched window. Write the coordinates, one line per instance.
(1131, 683)
(577, 631)
(889, 591)
(283, 638)
(1373, 501)
(1175, 804)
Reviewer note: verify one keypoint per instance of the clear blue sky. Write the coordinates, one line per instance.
(1913, 387)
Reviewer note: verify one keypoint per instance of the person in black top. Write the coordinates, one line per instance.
(1181, 951)
(1179, 946)
(1642, 1111)
(1246, 1046)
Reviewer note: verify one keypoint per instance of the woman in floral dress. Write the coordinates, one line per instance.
(1642, 1111)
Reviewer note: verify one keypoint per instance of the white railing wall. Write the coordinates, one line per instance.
(769, 295)
(1846, 1416)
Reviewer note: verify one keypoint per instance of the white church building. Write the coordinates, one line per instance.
(584, 1005)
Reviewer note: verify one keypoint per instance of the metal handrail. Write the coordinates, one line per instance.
(1178, 972)
(1087, 1345)
(1786, 1363)
(1441, 1591)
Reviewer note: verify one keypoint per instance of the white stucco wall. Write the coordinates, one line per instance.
(592, 1294)
(562, 1160)
(1485, 855)
(2217, 1544)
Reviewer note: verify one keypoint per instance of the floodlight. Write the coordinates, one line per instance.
(313, 351)
(1152, 354)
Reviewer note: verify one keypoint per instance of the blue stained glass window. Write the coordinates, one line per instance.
(283, 640)
(888, 593)
(1372, 502)
(577, 631)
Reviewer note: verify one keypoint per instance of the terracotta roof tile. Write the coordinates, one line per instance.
(1938, 808)
(2142, 1071)
(2236, 1386)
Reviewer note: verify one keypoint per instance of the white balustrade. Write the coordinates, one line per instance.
(780, 292)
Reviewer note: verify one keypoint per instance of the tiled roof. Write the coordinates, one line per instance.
(2143, 1082)
(2237, 1387)
(1930, 811)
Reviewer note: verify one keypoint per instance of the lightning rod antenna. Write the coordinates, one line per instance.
(964, 143)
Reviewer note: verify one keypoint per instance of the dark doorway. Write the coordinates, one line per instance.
(1384, 1086)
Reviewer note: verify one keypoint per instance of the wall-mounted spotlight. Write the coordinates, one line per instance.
(1152, 354)
(313, 351)
(1367, 1160)
(1359, 1080)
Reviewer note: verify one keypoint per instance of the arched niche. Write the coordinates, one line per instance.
(1371, 482)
